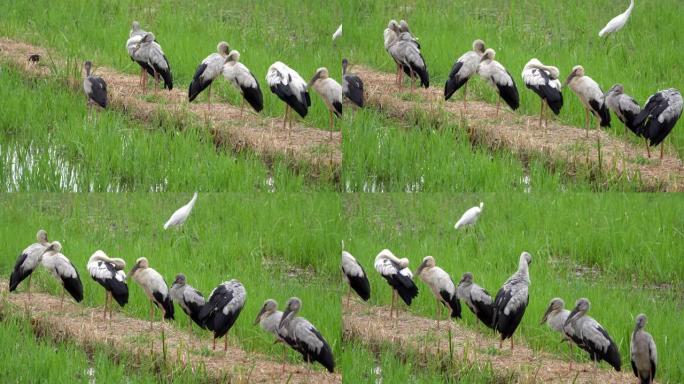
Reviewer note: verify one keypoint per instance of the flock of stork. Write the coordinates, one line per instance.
(504, 312)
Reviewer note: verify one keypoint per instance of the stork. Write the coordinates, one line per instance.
(463, 69)
(108, 272)
(154, 286)
(555, 317)
(659, 116)
(543, 80)
(591, 336)
(290, 88)
(442, 287)
(355, 276)
(28, 261)
(398, 276)
(244, 81)
(623, 106)
(95, 88)
(269, 318)
(330, 91)
(643, 353)
(477, 299)
(61, 268)
(188, 298)
(469, 217)
(179, 217)
(406, 52)
(390, 36)
(352, 85)
(511, 300)
(222, 309)
(308, 339)
(591, 96)
(496, 75)
(148, 51)
(209, 69)
(617, 22)
(135, 35)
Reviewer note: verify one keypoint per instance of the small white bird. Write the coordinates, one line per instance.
(469, 217)
(337, 34)
(181, 214)
(618, 21)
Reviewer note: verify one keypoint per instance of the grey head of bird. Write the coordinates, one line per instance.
(223, 48)
(577, 71)
(479, 46)
(617, 89)
(269, 307)
(403, 26)
(233, 56)
(54, 247)
(180, 280)
(428, 262)
(88, 65)
(641, 321)
(556, 304)
(489, 54)
(135, 26)
(393, 25)
(321, 74)
(42, 236)
(345, 63)
(526, 257)
(294, 304)
(466, 279)
(581, 307)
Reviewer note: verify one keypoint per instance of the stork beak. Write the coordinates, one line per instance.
(135, 268)
(546, 315)
(313, 79)
(571, 316)
(261, 312)
(420, 269)
(285, 315)
(567, 81)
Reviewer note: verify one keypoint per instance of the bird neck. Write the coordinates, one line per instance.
(630, 8)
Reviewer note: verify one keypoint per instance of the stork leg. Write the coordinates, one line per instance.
(331, 124)
(104, 317)
(394, 294)
(439, 313)
(156, 82)
(586, 122)
(465, 99)
(61, 302)
(151, 313)
(213, 348)
(541, 113)
(498, 105)
(501, 344)
(348, 296)
(242, 106)
(209, 97)
(225, 342)
(411, 79)
(648, 149)
(511, 343)
(661, 149)
(29, 287)
(110, 306)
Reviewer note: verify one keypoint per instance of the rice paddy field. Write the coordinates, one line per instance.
(276, 223)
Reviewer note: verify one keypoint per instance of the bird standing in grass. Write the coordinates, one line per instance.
(190, 299)
(95, 88)
(555, 317)
(477, 299)
(398, 276)
(179, 217)
(108, 272)
(355, 276)
(659, 116)
(623, 106)
(511, 300)
(543, 80)
(496, 75)
(135, 36)
(592, 337)
(442, 287)
(643, 352)
(290, 88)
(591, 96)
(61, 268)
(154, 286)
(209, 69)
(405, 51)
(352, 86)
(269, 318)
(617, 22)
(222, 309)
(148, 51)
(244, 81)
(469, 217)
(463, 69)
(27, 262)
(310, 343)
(330, 91)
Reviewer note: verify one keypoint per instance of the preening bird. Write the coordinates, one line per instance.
(591, 336)
(209, 69)
(223, 309)
(135, 36)
(442, 287)
(617, 22)
(109, 273)
(269, 318)
(310, 343)
(337, 34)
(591, 96)
(61, 268)
(463, 69)
(659, 116)
(398, 276)
(496, 75)
(181, 214)
(477, 299)
(355, 276)
(95, 88)
(643, 353)
(623, 106)
(154, 286)
(244, 81)
(290, 88)
(469, 217)
(352, 86)
(188, 298)
(543, 80)
(511, 300)
(28, 261)
(330, 91)
(405, 51)
(404, 28)
(148, 51)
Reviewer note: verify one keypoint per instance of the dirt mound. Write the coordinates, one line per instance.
(522, 135)
(266, 136)
(419, 334)
(85, 326)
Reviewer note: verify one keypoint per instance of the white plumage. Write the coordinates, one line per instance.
(179, 217)
(108, 272)
(398, 276)
(337, 34)
(290, 87)
(240, 77)
(496, 75)
(443, 288)
(469, 217)
(61, 268)
(463, 69)
(330, 91)
(209, 69)
(619, 21)
(28, 261)
(543, 80)
(591, 96)
(154, 286)
(355, 276)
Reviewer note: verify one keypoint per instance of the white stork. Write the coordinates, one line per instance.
(209, 69)
(617, 22)
(244, 81)
(61, 268)
(405, 51)
(543, 80)
(511, 300)
(154, 286)
(108, 272)
(223, 308)
(442, 287)
(95, 88)
(469, 217)
(188, 298)
(135, 35)
(330, 91)
(496, 75)
(148, 51)
(477, 299)
(591, 336)
(28, 261)
(290, 88)
(355, 276)
(179, 217)
(463, 69)
(659, 116)
(309, 341)
(555, 318)
(591, 96)
(269, 318)
(398, 276)
(623, 106)
(352, 85)
(643, 353)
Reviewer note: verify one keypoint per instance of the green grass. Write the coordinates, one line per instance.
(620, 251)
(278, 246)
